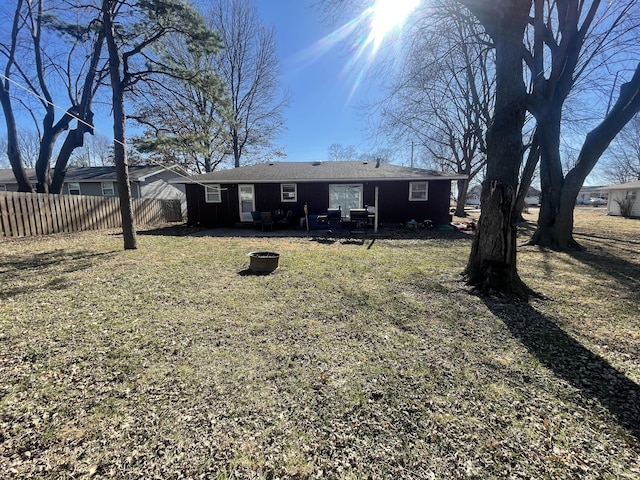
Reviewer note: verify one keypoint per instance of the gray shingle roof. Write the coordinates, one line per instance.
(623, 186)
(89, 174)
(320, 171)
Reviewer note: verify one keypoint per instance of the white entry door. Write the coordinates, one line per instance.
(247, 202)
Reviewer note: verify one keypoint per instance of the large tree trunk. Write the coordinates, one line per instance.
(75, 138)
(551, 182)
(43, 176)
(13, 148)
(463, 188)
(236, 148)
(120, 153)
(555, 228)
(526, 179)
(492, 263)
(47, 144)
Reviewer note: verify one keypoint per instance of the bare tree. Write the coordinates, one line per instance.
(46, 67)
(250, 68)
(492, 262)
(622, 165)
(96, 151)
(337, 151)
(568, 44)
(29, 142)
(442, 99)
(347, 153)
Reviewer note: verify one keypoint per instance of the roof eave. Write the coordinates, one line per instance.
(322, 180)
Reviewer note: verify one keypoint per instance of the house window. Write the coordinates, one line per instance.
(418, 191)
(212, 194)
(3, 187)
(288, 192)
(108, 189)
(74, 188)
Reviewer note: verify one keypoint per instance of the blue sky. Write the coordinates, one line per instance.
(328, 87)
(324, 107)
(319, 74)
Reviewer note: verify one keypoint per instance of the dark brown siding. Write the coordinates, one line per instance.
(395, 207)
(199, 212)
(394, 204)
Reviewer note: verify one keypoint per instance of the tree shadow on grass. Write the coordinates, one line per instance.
(526, 228)
(53, 264)
(625, 272)
(607, 238)
(571, 361)
(180, 230)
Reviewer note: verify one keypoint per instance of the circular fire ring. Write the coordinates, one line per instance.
(263, 262)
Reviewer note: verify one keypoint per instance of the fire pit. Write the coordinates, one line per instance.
(263, 262)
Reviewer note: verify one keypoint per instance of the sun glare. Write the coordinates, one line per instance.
(386, 16)
(370, 30)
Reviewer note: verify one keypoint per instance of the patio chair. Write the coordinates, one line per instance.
(257, 219)
(267, 220)
(286, 220)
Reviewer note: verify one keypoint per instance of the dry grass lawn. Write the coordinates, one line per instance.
(356, 359)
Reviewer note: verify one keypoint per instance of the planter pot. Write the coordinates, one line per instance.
(263, 262)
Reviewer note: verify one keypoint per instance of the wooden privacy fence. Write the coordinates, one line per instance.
(29, 214)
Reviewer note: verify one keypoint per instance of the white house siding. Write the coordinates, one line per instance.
(613, 207)
(158, 186)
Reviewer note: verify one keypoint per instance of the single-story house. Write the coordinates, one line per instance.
(473, 196)
(590, 195)
(402, 194)
(624, 194)
(147, 181)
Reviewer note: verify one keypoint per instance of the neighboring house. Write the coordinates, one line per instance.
(533, 197)
(591, 195)
(621, 194)
(473, 196)
(228, 196)
(146, 182)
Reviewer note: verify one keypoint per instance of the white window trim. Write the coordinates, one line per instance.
(112, 188)
(69, 188)
(411, 191)
(211, 192)
(295, 192)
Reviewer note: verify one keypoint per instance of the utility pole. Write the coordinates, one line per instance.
(411, 155)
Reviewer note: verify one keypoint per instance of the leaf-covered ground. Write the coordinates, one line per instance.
(356, 359)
